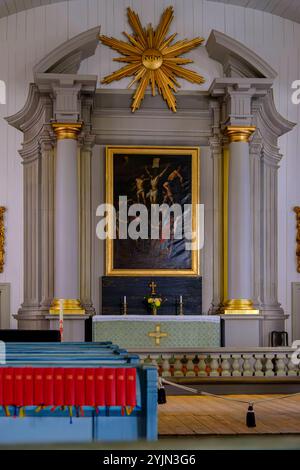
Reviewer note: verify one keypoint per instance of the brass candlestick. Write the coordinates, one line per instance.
(124, 306)
(180, 306)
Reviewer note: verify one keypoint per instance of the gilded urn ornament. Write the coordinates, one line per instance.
(153, 59)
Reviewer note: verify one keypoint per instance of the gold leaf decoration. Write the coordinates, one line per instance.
(152, 59)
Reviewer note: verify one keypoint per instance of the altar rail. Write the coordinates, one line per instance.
(217, 363)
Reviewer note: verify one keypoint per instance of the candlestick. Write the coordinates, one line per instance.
(124, 306)
(180, 305)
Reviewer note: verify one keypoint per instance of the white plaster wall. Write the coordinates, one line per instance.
(27, 36)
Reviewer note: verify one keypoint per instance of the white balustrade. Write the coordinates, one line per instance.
(268, 363)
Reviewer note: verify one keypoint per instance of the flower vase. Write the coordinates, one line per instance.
(154, 310)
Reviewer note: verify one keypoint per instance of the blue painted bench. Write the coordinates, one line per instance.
(101, 424)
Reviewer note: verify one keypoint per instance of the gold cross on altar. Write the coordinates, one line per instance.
(157, 334)
(153, 286)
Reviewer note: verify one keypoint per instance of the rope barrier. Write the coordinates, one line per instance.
(250, 417)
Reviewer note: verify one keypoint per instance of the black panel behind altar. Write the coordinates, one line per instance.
(136, 288)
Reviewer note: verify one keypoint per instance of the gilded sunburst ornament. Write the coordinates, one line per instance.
(153, 59)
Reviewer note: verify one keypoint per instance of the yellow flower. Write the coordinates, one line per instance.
(150, 300)
(157, 302)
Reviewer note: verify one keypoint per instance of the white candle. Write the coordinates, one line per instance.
(180, 299)
(124, 299)
(61, 319)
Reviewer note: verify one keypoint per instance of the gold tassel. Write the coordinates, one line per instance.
(129, 410)
(39, 408)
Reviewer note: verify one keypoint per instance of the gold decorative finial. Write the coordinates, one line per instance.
(153, 59)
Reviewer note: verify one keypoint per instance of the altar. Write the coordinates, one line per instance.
(161, 331)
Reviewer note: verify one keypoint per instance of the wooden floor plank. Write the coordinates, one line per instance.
(205, 415)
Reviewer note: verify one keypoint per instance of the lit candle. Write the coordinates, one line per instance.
(61, 319)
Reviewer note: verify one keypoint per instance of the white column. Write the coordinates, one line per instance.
(239, 225)
(66, 258)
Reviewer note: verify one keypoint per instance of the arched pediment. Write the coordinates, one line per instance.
(67, 57)
(236, 58)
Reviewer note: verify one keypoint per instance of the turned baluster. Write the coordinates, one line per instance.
(225, 365)
(269, 366)
(214, 365)
(202, 372)
(247, 366)
(178, 368)
(166, 367)
(190, 368)
(172, 362)
(147, 359)
(237, 367)
(280, 366)
(258, 365)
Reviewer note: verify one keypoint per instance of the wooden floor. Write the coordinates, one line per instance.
(188, 415)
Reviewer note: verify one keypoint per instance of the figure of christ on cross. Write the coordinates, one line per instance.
(140, 191)
(154, 180)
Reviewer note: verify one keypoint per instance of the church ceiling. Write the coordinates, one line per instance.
(289, 9)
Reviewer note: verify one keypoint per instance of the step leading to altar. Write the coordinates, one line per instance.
(149, 331)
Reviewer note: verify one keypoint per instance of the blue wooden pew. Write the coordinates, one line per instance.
(105, 424)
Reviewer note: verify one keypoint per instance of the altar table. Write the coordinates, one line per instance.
(159, 331)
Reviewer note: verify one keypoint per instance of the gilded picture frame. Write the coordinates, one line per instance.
(2, 238)
(126, 167)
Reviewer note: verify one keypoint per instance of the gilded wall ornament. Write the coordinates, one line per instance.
(153, 59)
(2, 238)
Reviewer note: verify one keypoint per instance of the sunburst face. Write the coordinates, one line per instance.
(153, 59)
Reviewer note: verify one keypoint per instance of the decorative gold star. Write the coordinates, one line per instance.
(153, 59)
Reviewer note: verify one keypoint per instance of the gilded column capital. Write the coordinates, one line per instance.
(67, 130)
(239, 133)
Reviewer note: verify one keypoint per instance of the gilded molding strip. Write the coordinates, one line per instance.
(2, 238)
(297, 212)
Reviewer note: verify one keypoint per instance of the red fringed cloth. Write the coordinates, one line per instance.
(67, 387)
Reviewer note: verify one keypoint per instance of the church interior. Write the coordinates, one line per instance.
(150, 224)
